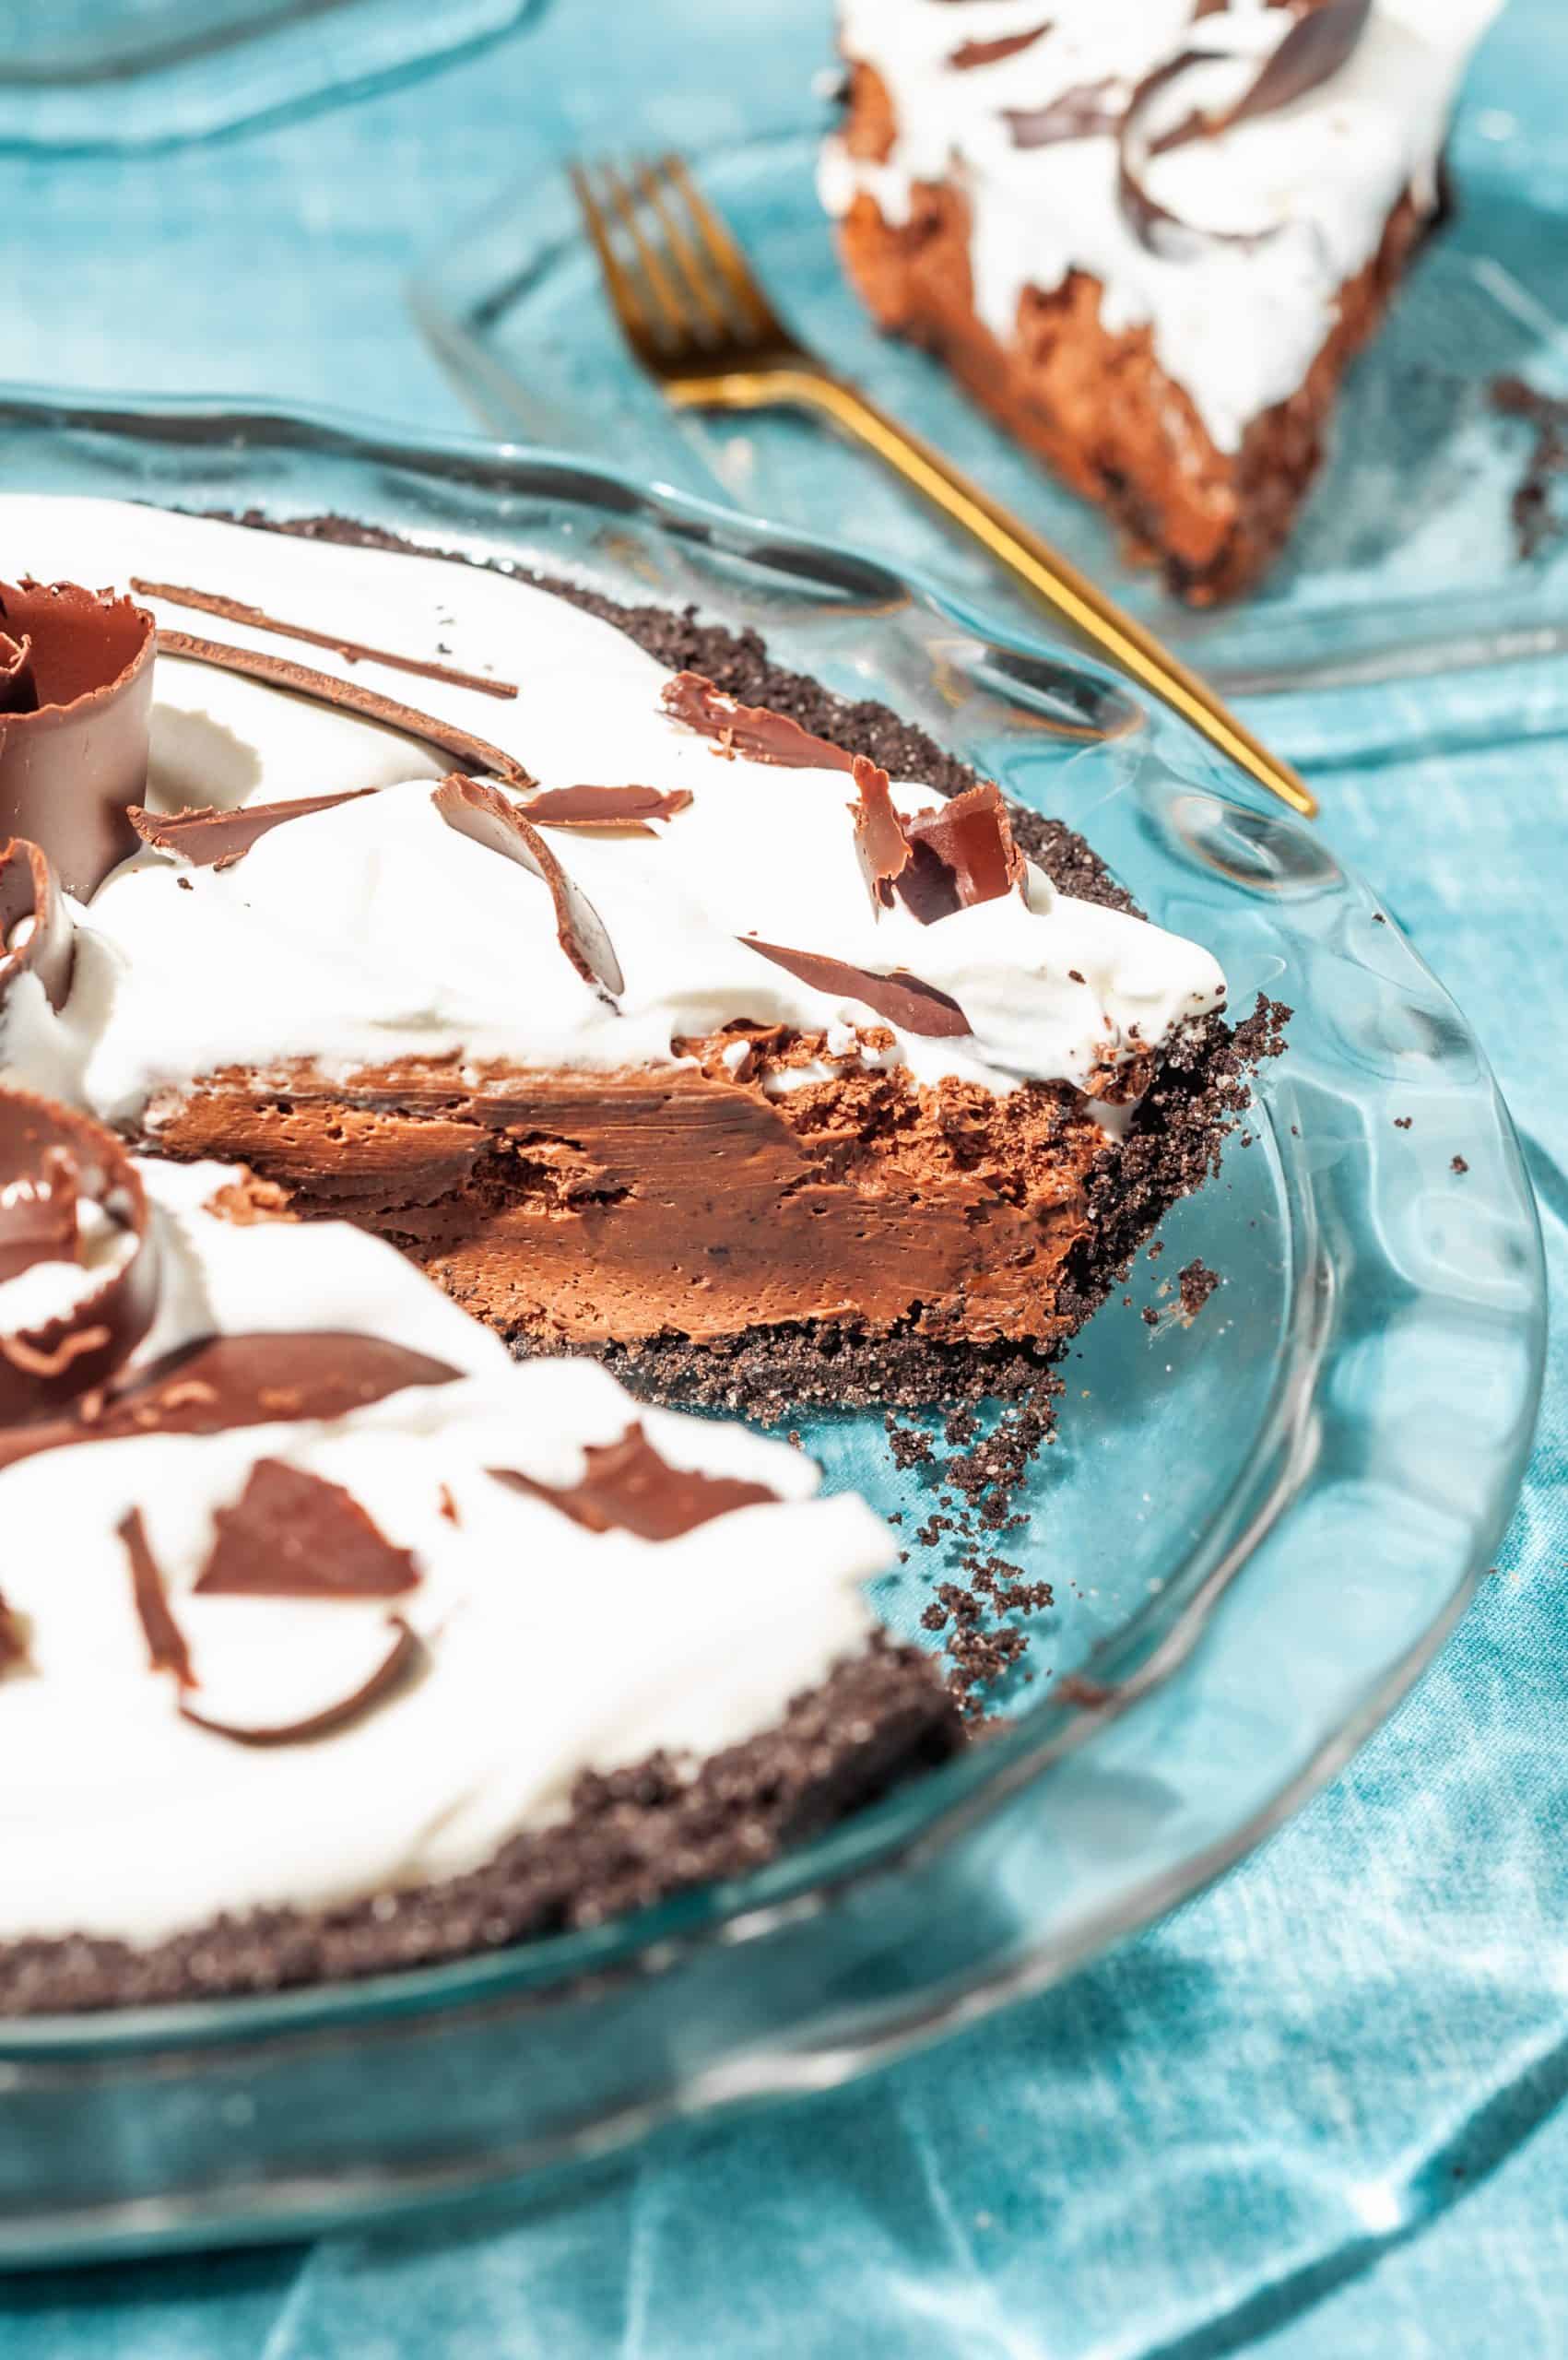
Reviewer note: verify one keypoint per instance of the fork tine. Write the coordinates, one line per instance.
(755, 308)
(671, 305)
(687, 260)
(627, 303)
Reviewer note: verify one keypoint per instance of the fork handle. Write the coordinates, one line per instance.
(1044, 571)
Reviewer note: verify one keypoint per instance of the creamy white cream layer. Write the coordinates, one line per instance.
(547, 1649)
(375, 931)
(1236, 326)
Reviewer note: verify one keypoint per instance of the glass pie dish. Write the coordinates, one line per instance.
(1259, 1524)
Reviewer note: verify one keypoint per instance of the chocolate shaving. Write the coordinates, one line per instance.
(627, 1487)
(293, 1534)
(353, 651)
(75, 710)
(219, 1383)
(166, 1648)
(13, 1645)
(50, 1157)
(879, 838)
(30, 898)
(903, 999)
(964, 850)
(404, 1651)
(209, 838)
(486, 815)
(972, 53)
(754, 730)
(1313, 48)
(612, 810)
(1089, 110)
(18, 690)
(279, 672)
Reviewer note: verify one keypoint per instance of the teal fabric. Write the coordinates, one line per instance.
(1317, 2112)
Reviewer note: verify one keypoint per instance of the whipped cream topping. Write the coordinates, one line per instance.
(374, 931)
(1236, 326)
(119, 1817)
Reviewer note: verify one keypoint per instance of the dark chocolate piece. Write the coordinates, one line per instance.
(28, 891)
(486, 815)
(279, 672)
(166, 1648)
(74, 714)
(971, 53)
(293, 1534)
(903, 999)
(1089, 110)
(47, 1153)
(614, 811)
(752, 729)
(879, 838)
(971, 843)
(209, 838)
(222, 1382)
(353, 651)
(13, 1645)
(400, 1655)
(627, 1487)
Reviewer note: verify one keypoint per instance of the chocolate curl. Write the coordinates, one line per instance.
(905, 1000)
(13, 1645)
(754, 730)
(219, 1383)
(1089, 110)
(166, 1645)
(1313, 48)
(353, 651)
(293, 1534)
(36, 935)
(18, 690)
(279, 672)
(75, 710)
(878, 834)
(627, 1487)
(606, 810)
(971, 53)
(963, 853)
(49, 1155)
(487, 815)
(395, 1652)
(209, 838)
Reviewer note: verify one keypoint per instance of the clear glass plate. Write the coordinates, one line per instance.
(1259, 1527)
(143, 73)
(1421, 463)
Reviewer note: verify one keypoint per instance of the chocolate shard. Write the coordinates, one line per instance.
(626, 1486)
(1088, 110)
(279, 672)
(971, 53)
(293, 1534)
(487, 815)
(353, 651)
(1313, 45)
(879, 839)
(971, 843)
(209, 838)
(397, 1652)
(165, 1646)
(610, 810)
(36, 935)
(13, 1640)
(75, 711)
(754, 730)
(902, 999)
(223, 1382)
(50, 1157)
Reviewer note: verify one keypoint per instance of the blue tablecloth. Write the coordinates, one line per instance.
(1317, 2112)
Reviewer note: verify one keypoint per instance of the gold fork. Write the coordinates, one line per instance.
(692, 310)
